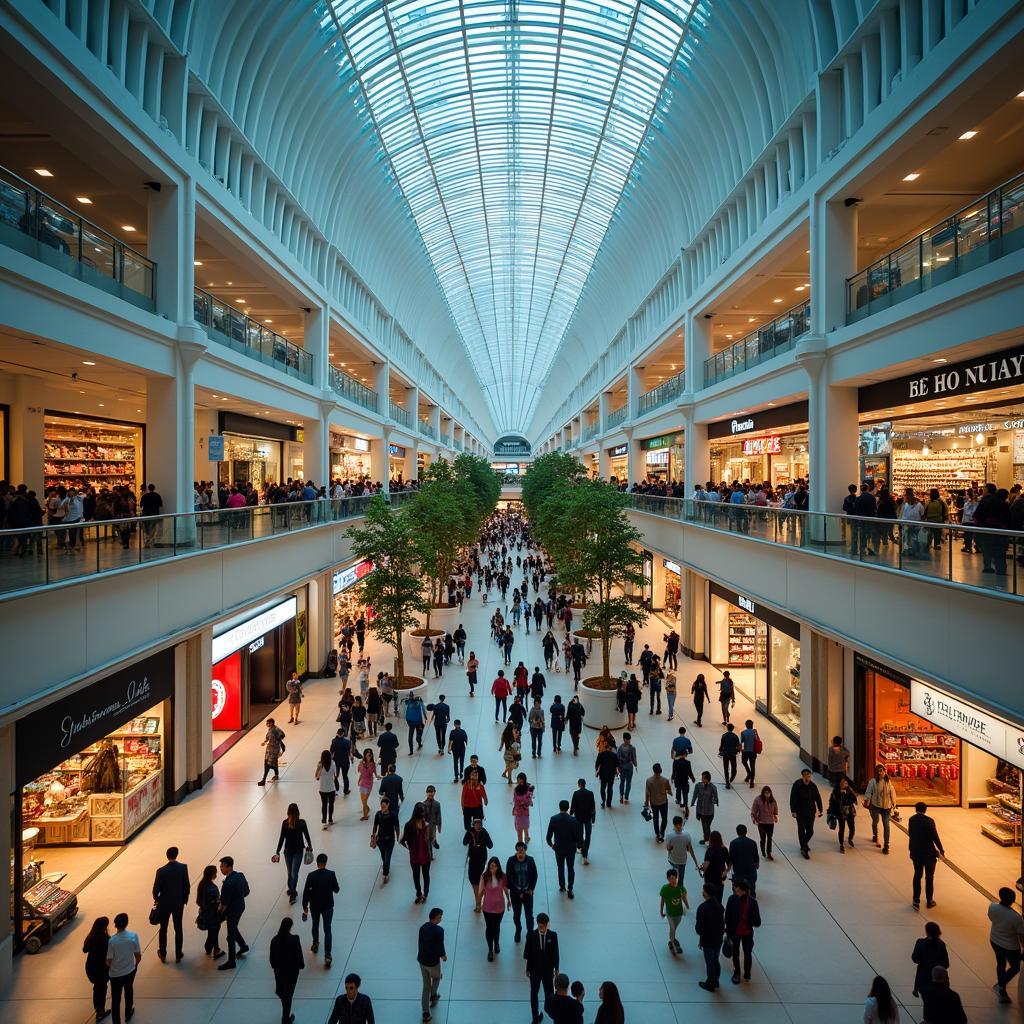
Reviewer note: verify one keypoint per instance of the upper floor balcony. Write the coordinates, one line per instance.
(39, 226)
(980, 232)
(617, 416)
(590, 431)
(662, 394)
(427, 429)
(346, 385)
(236, 330)
(400, 414)
(775, 337)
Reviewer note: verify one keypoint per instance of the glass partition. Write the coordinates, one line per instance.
(764, 343)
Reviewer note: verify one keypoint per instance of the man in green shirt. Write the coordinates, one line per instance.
(672, 904)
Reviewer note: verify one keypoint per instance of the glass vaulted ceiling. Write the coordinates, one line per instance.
(513, 130)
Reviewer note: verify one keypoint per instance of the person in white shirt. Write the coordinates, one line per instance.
(1007, 938)
(123, 956)
(880, 1007)
(677, 845)
(911, 512)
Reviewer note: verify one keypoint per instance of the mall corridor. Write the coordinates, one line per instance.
(830, 923)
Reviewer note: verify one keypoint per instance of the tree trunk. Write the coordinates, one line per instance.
(400, 659)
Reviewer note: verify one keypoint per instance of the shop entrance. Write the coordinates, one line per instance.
(761, 649)
(92, 769)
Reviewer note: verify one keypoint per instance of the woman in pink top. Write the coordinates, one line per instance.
(764, 813)
(522, 801)
(495, 900)
(366, 773)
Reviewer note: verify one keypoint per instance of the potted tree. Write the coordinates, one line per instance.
(394, 588)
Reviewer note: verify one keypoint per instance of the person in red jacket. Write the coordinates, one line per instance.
(501, 690)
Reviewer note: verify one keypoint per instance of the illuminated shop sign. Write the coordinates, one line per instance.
(345, 578)
(396, 450)
(619, 450)
(671, 566)
(741, 426)
(234, 639)
(770, 445)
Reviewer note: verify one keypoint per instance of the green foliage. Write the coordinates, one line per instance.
(547, 476)
(486, 486)
(394, 588)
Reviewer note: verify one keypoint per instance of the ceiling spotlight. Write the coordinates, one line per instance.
(102, 406)
(127, 227)
(88, 362)
(939, 360)
(912, 176)
(43, 172)
(751, 319)
(240, 300)
(800, 288)
(967, 136)
(197, 263)
(776, 300)
(268, 321)
(84, 200)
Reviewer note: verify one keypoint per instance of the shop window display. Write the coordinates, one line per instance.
(784, 671)
(83, 453)
(1003, 825)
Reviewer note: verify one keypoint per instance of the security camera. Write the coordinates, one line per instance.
(708, 316)
(74, 375)
(153, 186)
(852, 201)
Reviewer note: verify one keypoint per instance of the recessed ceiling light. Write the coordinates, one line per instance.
(939, 360)
(342, 364)
(771, 403)
(268, 321)
(230, 283)
(102, 405)
(799, 288)
(776, 300)
(751, 319)
(912, 176)
(223, 399)
(807, 252)
(242, 301)
(197, 263)
(81, 392)
(138, 410)
(1020, 95)
(88, 362)
(728, 335)
(970, 399)
(127, 227)
(967, 136)
(214, 396)
(266, 412)
(43, 172)
(84, 200)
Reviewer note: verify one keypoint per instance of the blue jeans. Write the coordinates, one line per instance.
(326, 915)
(625, 782)
(883, 813)
(293, 861)
(671, 698)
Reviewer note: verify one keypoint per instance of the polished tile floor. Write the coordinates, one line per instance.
(830, 924)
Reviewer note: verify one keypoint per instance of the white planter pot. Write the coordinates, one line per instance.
(444, 618)
(420, 691)
(413, 648)
(600, 708)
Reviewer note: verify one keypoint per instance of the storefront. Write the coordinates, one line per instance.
(958, 426)
(619, 456)
(673, 589)
(663, 457)
(396, 461)
(761, 649)
(768, 446)
(252, 656)
(950, 753)
(253, 449)
(350, 457)
(91, 452)
(347, 597)
(91, 770)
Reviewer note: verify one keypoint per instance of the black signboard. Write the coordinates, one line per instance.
(766, 419)
(70, 724)
(943, 380)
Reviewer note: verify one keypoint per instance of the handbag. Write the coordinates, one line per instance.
(758, 743)
(307, 857)
(201, 922)
(727, 947)
(154, 915)
(832, 821)
(646, 813)
(373, 842)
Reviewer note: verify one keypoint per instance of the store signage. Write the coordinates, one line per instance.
(741, 426)
(234, 639)
(72, 723)
(345, 578)
(618, 451)
(665, 441)
(976, 428)
(746, 604)
(396, 450)
(972, 375)
(770, 445)
(793, 414)
(215, 448)
(657, 458)
(226, 693)
(257, 644)
(969, 722)
(671, 566)
(360, 444)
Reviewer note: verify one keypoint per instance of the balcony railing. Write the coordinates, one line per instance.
(233, 328)
(662, 394)
(928, 550)
(427, 430)
(36, 224)
(35, 557)
(617, 416)
(590, 432)
(765, 343)
(981, 232)
(352, 389)
(399, 415)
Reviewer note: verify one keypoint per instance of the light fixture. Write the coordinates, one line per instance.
(800, 288)
(102, 406)
(979, 438)
(925, 450)
(912, 176)
(127, 227)
(197, 263)
(1020, 95)
(268, 321)
(240, 301)
(88, 362)
(214, 396)
(81, 392)
(729, 336)
(776, 300)
(939, 360)
(967, 136)
(43, 172)
(84, 200)
(751, 319)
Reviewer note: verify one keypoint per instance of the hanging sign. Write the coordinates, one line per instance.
(770, 445)
(229, 642)
(215, 448)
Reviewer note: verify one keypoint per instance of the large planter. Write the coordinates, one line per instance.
(600, 706)
(446, 617)
(420, 690)
(412, 643)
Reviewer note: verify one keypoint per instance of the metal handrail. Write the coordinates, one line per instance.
(765, 343)
(399, 414)
(427, 430)
(345, 384)
(921, 549)
(28, 211)
(970, 237)
(617, 416)
(663, 393)
(34, 557)
(243, 333)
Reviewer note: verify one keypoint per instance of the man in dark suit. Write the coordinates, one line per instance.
(541, 956)
(561, 1007)
(563, 837)
(170, 894)
(318, 900)
(352, 1007)
(925, 849)
(744, 856)
(584, 810)
(521, 878)
(233, 891)
(710, 928)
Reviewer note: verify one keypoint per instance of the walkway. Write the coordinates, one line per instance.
(830, 923)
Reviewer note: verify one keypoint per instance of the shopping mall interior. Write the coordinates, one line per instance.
(753, 264)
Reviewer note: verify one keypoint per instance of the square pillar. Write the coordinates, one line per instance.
(379, 460)
(697, 346)
(833, 233)
(316, 340)
(636, 467)
(693, 598)
(603, 401)
(696, 451)
(316, 446)
(26, 440)
(171, 230)
(382, 386)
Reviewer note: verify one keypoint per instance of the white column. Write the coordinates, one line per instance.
(657, 582)
(603, 400)
(636, 467)
(634, 389)
(604, 462)
(382, 385)
(26, 440)
(833, 234)
(697, 344)
(379, 458)
(316, 340)
(171, 231)
(696, 450)
(412, 403)
(693, 595)
(434, 416)
(316, 445)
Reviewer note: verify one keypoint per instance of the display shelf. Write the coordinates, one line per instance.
(1004, 823)
(945, 469)
(91, 454)
(747, 646)
(793, 696)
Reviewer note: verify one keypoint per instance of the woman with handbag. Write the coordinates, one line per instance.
(477, 843)
(742, 916)
(495, 900)
(208, 917)
(295, 841)
(383, 835)
(842, 811)
(366, 774)
(327, 786)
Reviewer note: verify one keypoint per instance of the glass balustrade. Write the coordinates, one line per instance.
(979, 233)
(348, 387)
(927, 550)
(590, 432)
(400, 415)
(233, 328)
(38, 226)
(765, 343)
(662, 394)
(427, 430)
(616, 416)
(49, 554)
